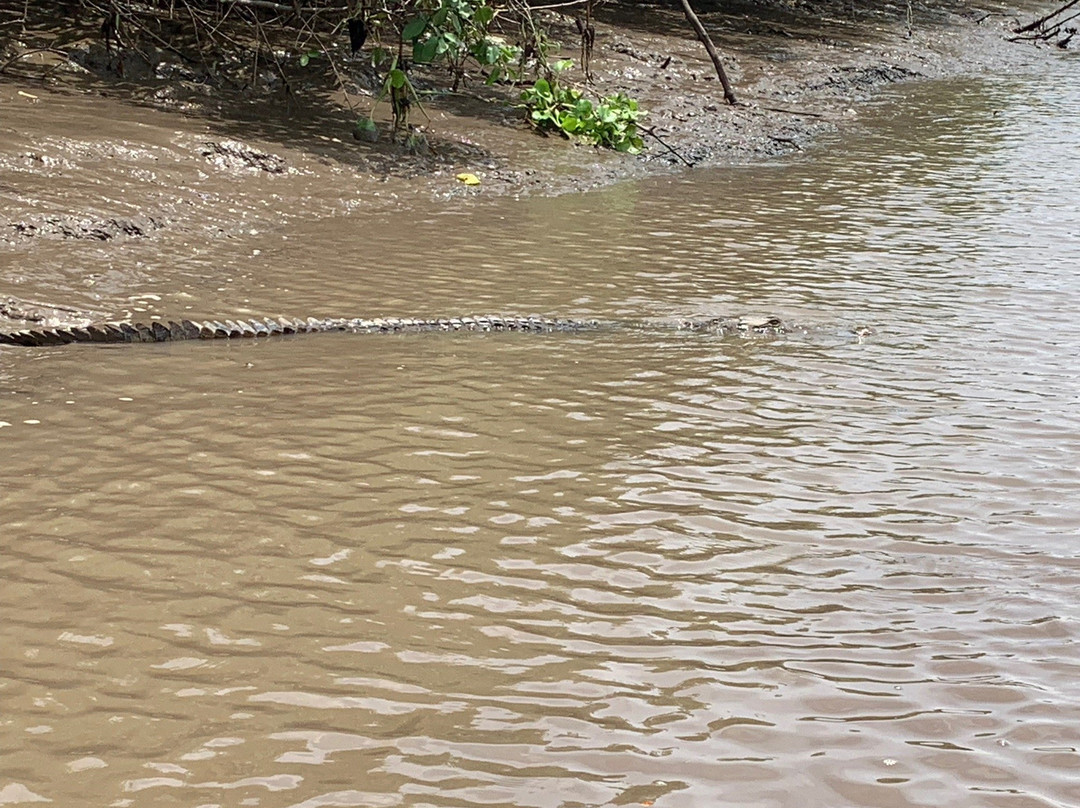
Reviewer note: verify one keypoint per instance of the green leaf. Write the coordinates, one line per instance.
(541, 86)
(414, 28)
(484, 15)
(562, 64)
(486, 52)
(397, 78)
(304, 59)
(426, 51)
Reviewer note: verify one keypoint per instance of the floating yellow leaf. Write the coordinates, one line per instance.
(469, 179)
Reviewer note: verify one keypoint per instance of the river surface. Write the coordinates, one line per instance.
(635, 567)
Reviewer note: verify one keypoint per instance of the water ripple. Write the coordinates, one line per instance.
(632, 567)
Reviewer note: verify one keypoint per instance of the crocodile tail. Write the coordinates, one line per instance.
(158, 331)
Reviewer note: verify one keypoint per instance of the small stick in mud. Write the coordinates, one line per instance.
(787, 141)
(649, 130)
(706, 40)
(588, 39)
(1031, 26)
(32, 52)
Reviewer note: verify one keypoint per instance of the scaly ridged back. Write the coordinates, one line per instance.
(157, 331)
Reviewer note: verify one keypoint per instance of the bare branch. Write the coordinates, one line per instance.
(1042, 20)
(31, 52)
(706, 40)
(270, 5)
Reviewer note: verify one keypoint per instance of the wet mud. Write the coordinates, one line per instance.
(101, 152)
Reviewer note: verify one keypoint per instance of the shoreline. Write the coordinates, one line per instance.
(799, 70)
(106, 174)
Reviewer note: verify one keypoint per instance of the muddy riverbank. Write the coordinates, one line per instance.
(92, 162)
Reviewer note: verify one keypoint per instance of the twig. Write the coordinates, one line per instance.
(706, 40)
(273, 57)
(272, 6)
(558, 5)
(333, 66)
(649, 130)
(194, 25)
(787, 141)
(1060, 23)
(1053, 30)
(1031, 26)
(132, 18)
(588, 38)
(31, 52)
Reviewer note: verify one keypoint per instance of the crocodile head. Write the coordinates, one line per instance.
(751, 324)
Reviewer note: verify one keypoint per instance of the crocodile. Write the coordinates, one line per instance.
(168, 331)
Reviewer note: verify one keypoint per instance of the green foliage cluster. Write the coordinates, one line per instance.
(498, 40)
(452, 31)
(556, 107)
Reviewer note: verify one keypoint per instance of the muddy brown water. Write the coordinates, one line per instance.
(618, 568)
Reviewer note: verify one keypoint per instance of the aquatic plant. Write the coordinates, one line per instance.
(554, 106)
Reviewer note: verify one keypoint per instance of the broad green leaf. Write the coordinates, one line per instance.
(397, 78)
(414, 28)
(426, 51)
